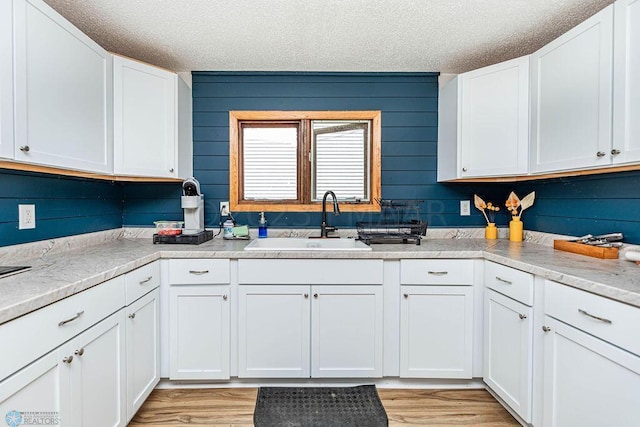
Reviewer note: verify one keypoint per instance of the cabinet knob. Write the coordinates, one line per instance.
(546, 328)
(132, 316)
(68, 359)
(601, 154)
(315, 295)
(24, 148)
(171, 170)
(464, 169)
(79, 352)
(522, 316)
(405, 295)
(306, 296)
(225, 297)
(615, 152)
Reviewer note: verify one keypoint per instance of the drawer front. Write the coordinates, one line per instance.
(609, 320)
(141, 281)
(436, 272)
(508, 281)
(37, 333)
(310, 272)
(198, 271)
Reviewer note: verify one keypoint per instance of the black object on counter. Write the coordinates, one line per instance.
(185, 239)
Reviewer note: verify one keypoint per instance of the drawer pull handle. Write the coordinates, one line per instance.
(79, 352)
(522, 316)
(132, 316)
(546, 328)
(71, 319)
(438, 273)
(602, 319)
(198, 271)
(68, 359)
(506, 282)
(142, 282)
(225, 297)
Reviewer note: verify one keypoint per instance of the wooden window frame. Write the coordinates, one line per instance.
(303, 203)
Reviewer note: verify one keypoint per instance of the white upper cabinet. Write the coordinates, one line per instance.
(626, 86)
(484, 128)
(63, 112)
(148, 109)
(6, 80)
(571, 81)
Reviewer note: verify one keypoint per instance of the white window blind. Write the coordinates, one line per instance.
(270, 163)
(340, 159)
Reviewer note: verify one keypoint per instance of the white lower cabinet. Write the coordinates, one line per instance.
(40, 388)
(273, 331)
(508, 351)
(436, 331)
(81, 383)
(199, 322)
(297, 331)
(346, 331)
(142, 350)
(588, 382)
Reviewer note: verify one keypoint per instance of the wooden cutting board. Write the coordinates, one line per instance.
(588, 250)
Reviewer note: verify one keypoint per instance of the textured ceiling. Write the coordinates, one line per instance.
(449, 36)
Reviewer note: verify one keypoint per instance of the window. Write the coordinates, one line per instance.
(287, 160)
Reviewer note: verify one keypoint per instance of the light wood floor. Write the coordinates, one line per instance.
(234, 407)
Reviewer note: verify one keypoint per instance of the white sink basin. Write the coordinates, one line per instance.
(305, 244)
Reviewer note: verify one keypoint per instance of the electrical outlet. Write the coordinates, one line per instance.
(26, 217)
(465, 207)
(224, 208)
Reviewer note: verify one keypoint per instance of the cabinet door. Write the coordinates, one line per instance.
(6, 80)
(62, 92)
(346, 331)
(494, 120)
(144, 121)
(273, 331)
(588, 382)
(39, 392)
(626, 87)
(436, 331)
(199, 322)
(508, 351)
(571, 97)
(143, 350)
(98, 385)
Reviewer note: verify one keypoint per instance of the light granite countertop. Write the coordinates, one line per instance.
(56, 274)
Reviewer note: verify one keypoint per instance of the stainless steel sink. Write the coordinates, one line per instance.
(304, 244)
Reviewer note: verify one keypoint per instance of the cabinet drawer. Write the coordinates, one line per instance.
(198, 271)
(508, 281)
(141, 281)
(37, 333)
(310, 272)
(436, 272)
(609, 320)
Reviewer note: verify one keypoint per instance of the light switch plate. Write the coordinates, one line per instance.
(26, 217)
(465, 207)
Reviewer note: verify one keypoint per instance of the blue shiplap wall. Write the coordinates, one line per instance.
(408, 101)
(64, 206)
(595, 204)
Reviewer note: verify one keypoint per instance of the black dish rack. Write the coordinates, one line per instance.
(400, 223)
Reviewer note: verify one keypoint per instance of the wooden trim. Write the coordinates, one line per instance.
(565, 174)
(143, 63)
(304, 115)
(25, 167)
(375, 162)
